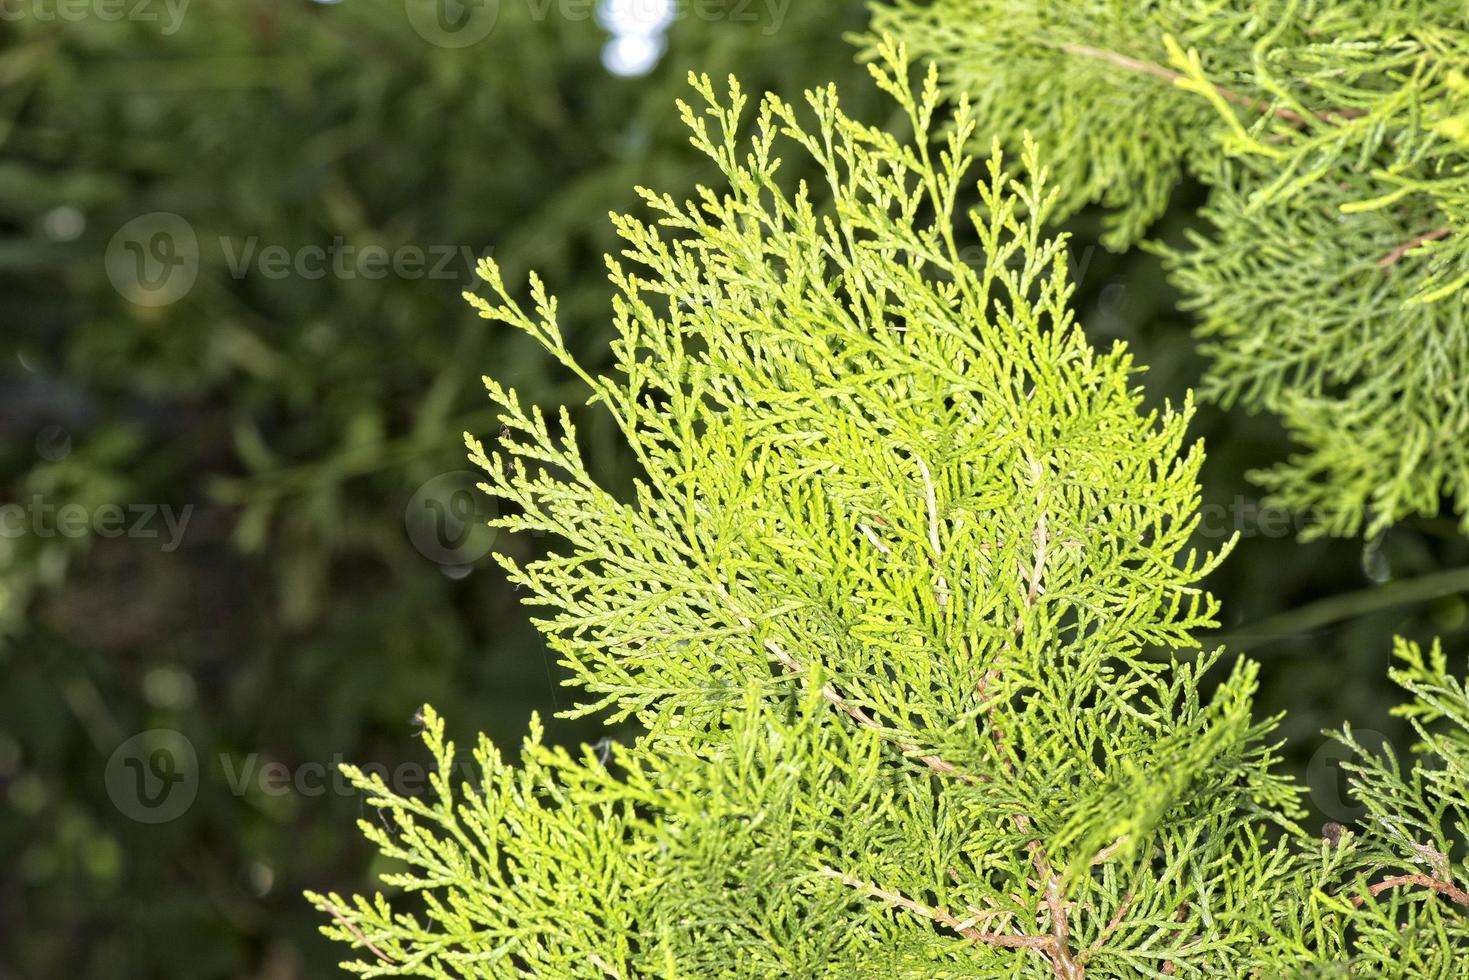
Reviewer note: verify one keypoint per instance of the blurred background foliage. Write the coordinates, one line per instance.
(303, 424)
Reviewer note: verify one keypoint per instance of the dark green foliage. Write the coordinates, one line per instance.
(296, 622)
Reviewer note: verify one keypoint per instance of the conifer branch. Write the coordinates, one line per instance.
(1172, 77)
(604, 966)
(1106, 853)
(941, 595)
(873, 539)
(1063, 963)
(1038, 567)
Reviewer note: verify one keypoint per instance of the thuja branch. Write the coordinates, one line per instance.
(1066, 966)
(769, 414)
(1112, 926)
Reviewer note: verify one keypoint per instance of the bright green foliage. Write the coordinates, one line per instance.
(1411, 841)
(880, 600)
(1335, 139)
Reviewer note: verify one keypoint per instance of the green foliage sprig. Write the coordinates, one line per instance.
(1332, 285)
(1411, 921)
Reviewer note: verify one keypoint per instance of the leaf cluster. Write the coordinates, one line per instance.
(887, 599)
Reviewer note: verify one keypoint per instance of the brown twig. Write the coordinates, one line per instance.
(1105, 854)
(335, 913)
(1066, 966)
(942, 592)
(834, 697)
(937, 914)
(1131, 64)
(1107, 930)
(996, 733)
(1229, 95)
(1445, 888)
(1169, 967)
(1396, 255)
(873, 539)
